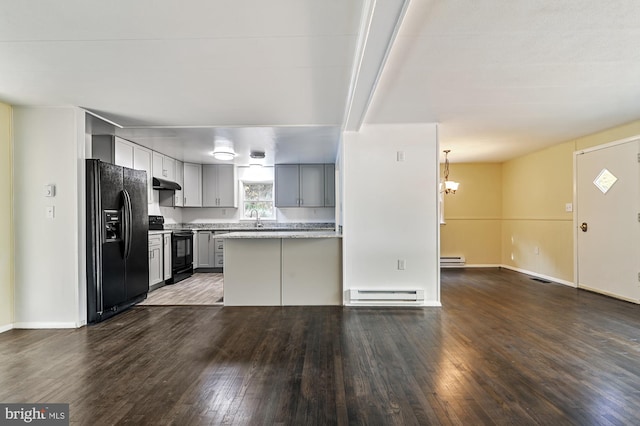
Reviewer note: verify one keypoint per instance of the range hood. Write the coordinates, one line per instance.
(165, 185)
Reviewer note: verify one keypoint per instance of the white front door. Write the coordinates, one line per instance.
(607, 226)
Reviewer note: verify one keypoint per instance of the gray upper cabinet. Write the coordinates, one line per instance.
(164, 167)
(304, 185)
(114, 150)
(179, 196)
(192, 189)
(311, 185)
(219, 185)
(287, 182)
(329, 185)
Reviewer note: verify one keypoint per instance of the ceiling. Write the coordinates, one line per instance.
(285, 76)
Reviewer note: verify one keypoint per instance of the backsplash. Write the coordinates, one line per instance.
(251, 225)
(195, 215)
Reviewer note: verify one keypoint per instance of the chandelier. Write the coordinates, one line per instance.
(450, 186)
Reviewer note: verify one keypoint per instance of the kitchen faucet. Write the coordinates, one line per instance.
(258, 223)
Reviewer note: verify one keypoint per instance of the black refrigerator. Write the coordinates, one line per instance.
(117, 239)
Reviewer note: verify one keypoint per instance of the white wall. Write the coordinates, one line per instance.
(391, 209)
(230, 215)
(49, 274)
(6, 221)
(172, 215)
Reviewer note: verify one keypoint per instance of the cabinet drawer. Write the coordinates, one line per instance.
(155, 239)
(219, 261)
(219, 245)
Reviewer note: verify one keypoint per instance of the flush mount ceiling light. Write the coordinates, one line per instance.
(256, 158)
(223, 150)
(450, 186)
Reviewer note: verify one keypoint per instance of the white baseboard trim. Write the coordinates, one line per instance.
(482, 265)
(537, 275)
(4, 328)
(606, 293)
(44, 325)
(522, 271)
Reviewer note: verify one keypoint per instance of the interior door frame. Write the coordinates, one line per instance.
(576, 207)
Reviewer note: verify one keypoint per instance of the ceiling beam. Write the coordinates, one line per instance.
(380, 23)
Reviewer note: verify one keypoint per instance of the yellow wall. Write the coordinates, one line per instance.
(610, 135)
(473, 214)
(537, 232)
(6, 228)
(536, 188)
(513, 213)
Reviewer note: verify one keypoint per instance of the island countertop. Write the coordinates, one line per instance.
(279, 234)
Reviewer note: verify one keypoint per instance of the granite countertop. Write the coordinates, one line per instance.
(264, 229)
(160, 231)
(250, 226)
(280, 234)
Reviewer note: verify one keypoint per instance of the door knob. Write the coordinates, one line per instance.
(584, 226)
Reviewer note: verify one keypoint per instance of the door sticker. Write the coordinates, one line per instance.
(605, 181)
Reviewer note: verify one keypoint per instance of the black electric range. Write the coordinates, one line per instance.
(181, 250)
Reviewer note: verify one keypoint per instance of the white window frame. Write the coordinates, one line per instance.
(273, 200)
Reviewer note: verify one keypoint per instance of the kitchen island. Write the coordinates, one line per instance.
(282, 268)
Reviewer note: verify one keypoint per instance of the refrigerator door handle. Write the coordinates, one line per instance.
(127, 223)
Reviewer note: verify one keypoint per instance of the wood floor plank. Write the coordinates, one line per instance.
(502, 350)
(198, 289)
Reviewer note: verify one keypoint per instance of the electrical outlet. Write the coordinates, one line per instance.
(402, 264)
(50, 212)
(49, 190)
(568, 207)
(400, 156)
(536, 250)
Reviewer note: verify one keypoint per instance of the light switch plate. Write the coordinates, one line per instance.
(50, 212)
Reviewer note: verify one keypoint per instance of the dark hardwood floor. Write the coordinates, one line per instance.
(502, 350)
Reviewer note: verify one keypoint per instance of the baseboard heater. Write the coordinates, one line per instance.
(386, 296)
(451, 261)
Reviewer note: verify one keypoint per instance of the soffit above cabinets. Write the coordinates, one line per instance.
(304, 144)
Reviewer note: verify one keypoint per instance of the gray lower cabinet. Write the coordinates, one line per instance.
(218, 250)
(166, 243)
(205, 250)
(210, 250)
(156, 263)
(305, 185)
